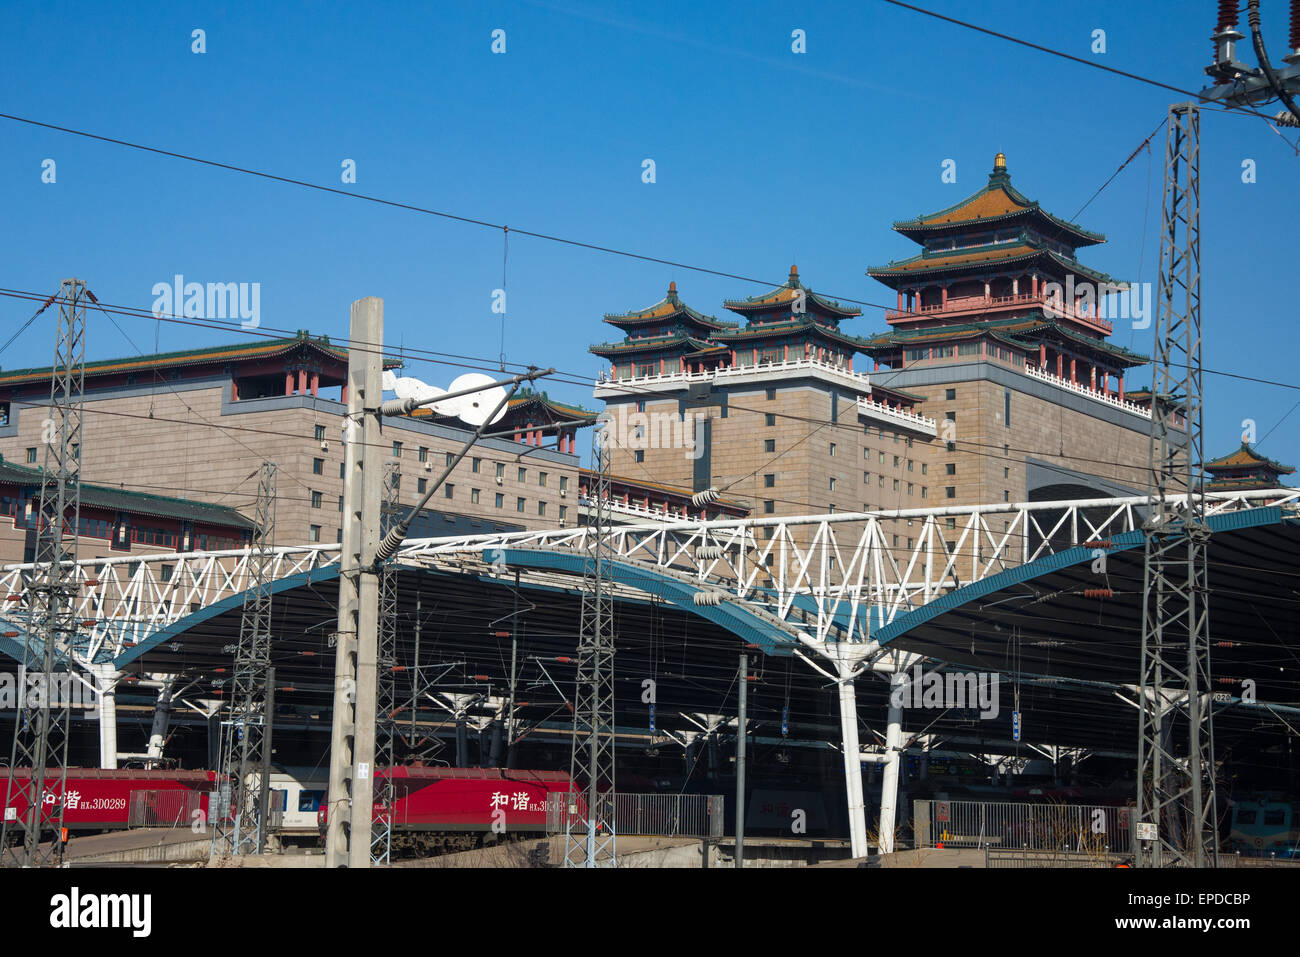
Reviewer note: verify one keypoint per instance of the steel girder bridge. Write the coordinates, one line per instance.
(829, 591)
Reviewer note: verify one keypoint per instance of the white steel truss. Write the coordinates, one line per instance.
(819, 573)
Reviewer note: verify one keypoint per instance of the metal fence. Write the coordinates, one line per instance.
(661, 815)
(1068, 828)
(163, 808)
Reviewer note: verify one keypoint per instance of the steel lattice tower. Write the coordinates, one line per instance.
(381, 838)
(246, 737)
(1177, 792)
(41, 728)
(590, 842)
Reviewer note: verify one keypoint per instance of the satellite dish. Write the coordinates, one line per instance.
(477, 406)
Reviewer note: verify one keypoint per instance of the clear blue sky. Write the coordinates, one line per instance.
(763, 157)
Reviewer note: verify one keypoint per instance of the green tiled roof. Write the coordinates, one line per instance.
(142, 503)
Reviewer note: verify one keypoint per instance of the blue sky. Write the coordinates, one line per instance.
(762, 157)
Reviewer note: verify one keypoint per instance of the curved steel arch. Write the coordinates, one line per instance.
(1078, 555)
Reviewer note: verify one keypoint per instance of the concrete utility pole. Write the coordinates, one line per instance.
(351, 792)
(350, 815)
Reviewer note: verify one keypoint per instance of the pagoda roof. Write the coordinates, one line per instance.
(139, 503)
(528, 400)
(1246, 457)
(208, 355)
(995, 204)
(669, 307)
(665, 342)
(787, 293)
(791, 327)
(1014, 331)
(1025, 252)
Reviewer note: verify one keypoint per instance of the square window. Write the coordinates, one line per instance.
(950, 394)
(925, 469)
(424, 453)
(1006, 495)
(31, 455)
(866, 477)
(769, 507)
(564, 482)
(924, 492)
(501, 471)
(450, 457)
(638, 455)
(950, 491)
(397, 450)
(541, 508)
(950, 468)
(519, 505)
(313, 533)
(564, 512)
(771, 394)
(500, 500)
(474, 465)
(421, 486)
(541, 479)
(832, 484)
(769, 480)
(473, 496)
(342, 469)
(448, 490)
(769, 445)
(832, 448)
(769, 419)
(316, 498)
(317, 466)
(523, 476)
(320, 433)
(340, 503)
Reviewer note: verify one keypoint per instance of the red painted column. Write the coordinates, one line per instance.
(1073, 379)
(315, 383)
(302, 381)
(1060, 362)
(1121, 388)
(345, 393)
(943, 295)
(288, 383)
(1042, 357)
(234, 390)
(900, 300)
(1034, 282)
(1092, 378)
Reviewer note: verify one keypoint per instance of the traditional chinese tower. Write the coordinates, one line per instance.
(1002, 330)
(762, 399)
(668, 337)
(1245, 469)
(997, 277)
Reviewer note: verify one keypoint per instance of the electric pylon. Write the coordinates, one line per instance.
(43, 720)
(381, 838)
(1176, 792)
(589, 831)
(240, 826)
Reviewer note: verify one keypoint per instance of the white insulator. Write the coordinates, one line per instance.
(708, 496)
(708, 598)
(707, 553)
